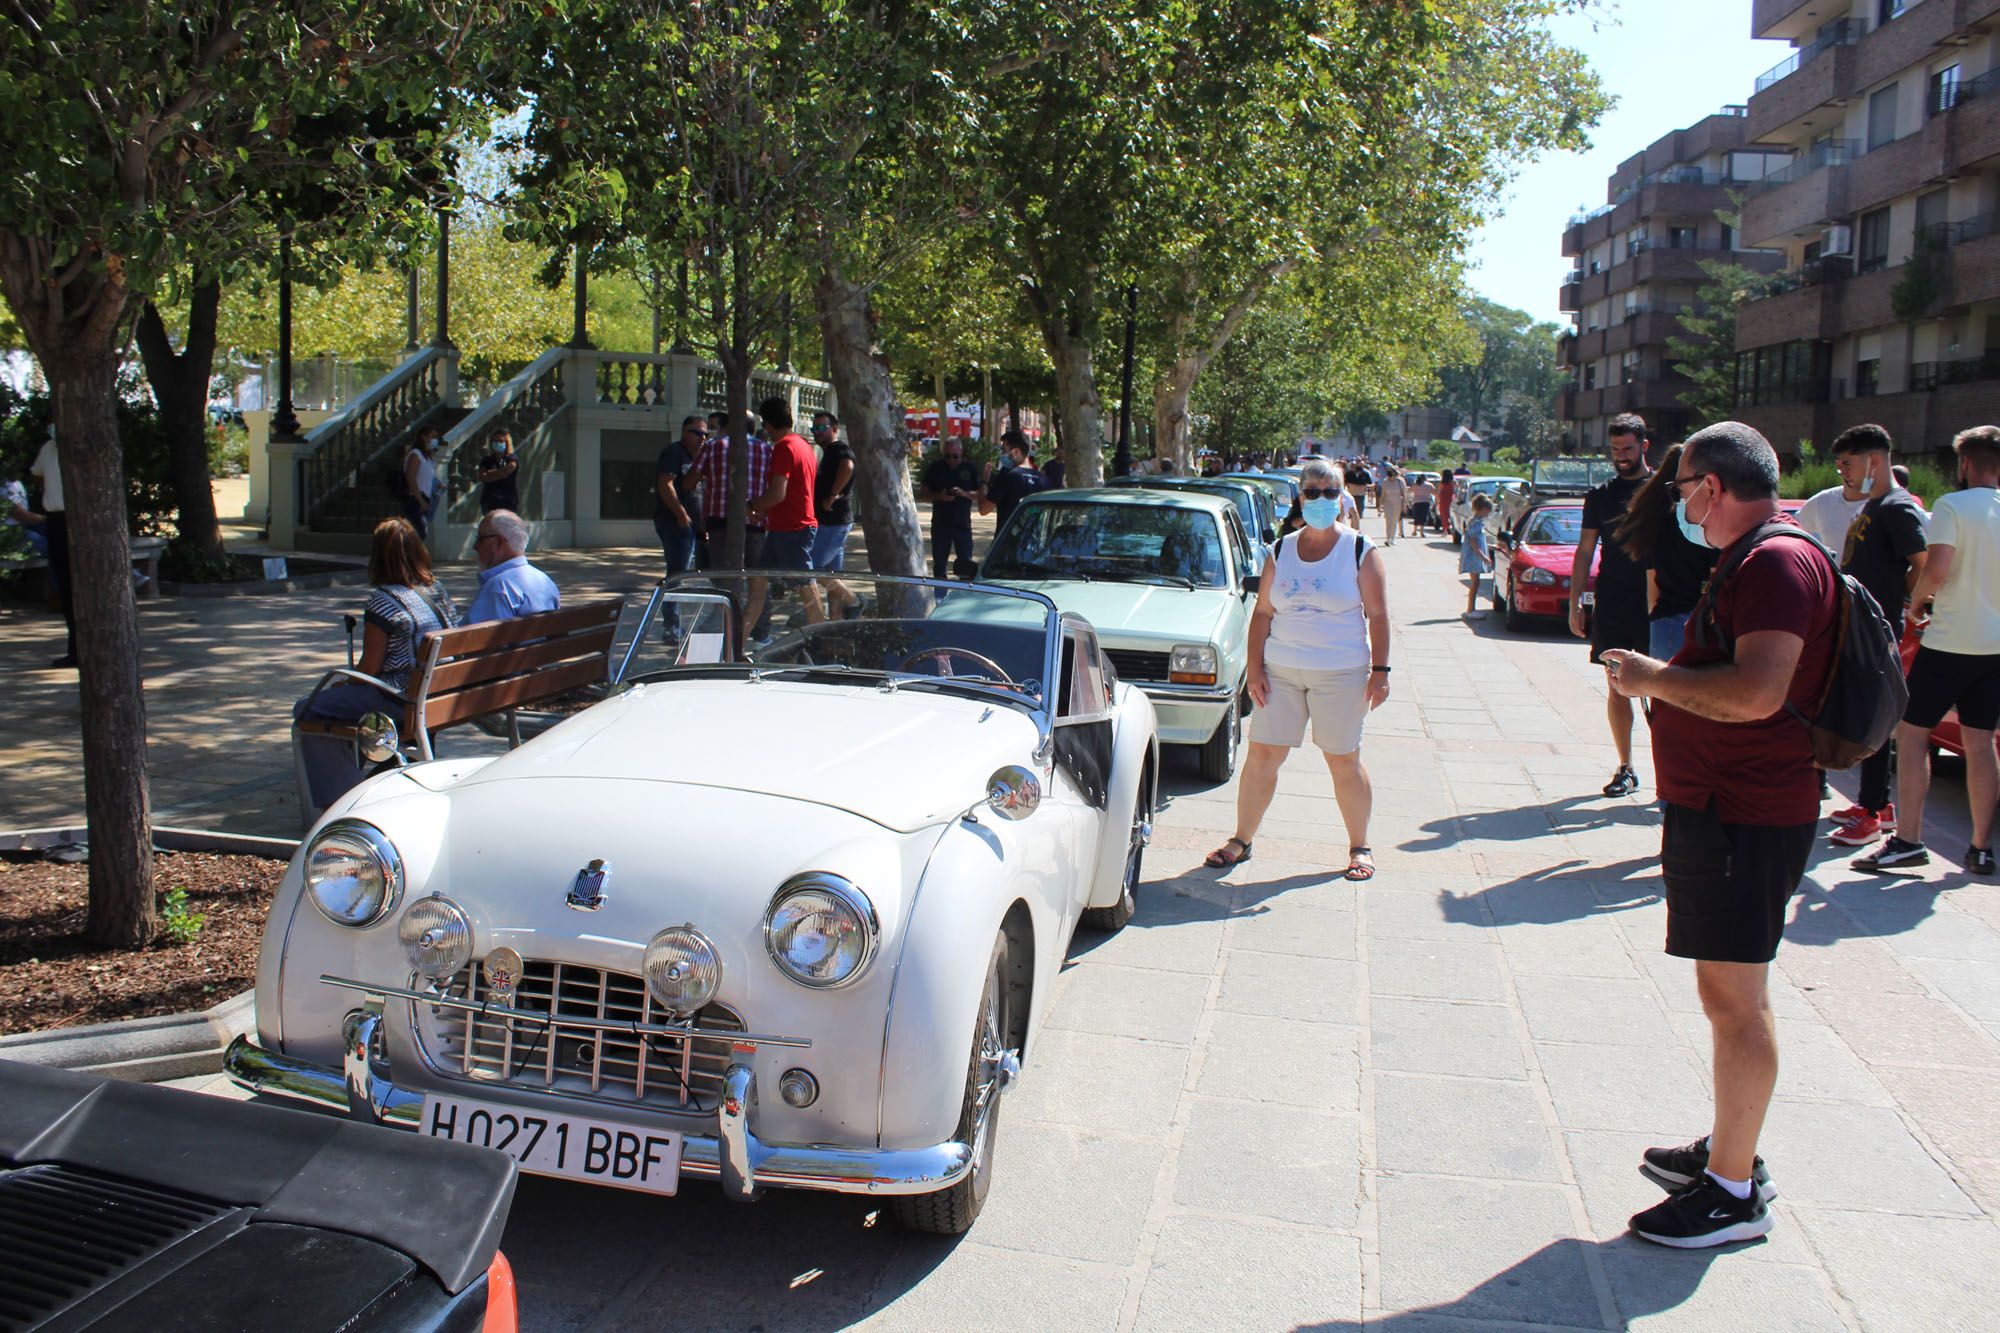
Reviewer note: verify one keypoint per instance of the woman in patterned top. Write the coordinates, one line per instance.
(405, 604)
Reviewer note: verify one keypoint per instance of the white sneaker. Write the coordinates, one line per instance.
(1475, 615)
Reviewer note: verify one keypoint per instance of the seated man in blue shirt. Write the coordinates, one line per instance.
(509, 587)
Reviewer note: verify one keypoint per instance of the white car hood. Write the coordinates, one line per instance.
(904, 760)
(1167, 612)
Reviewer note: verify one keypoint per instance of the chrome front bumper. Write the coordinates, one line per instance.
(742, 1162)
(1187, 714)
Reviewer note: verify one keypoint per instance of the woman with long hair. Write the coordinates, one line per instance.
(1676, 568)
(405, 603)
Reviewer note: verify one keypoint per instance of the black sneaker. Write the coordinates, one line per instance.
(1702, 1215)
(1623, 783)
(1677, 1168)
(1979, 860)
(1895, 854)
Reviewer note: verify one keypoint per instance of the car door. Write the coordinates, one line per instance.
(1083, 749)
(1234, 635)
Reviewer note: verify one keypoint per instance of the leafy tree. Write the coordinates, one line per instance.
(1348, 130)
(119, 184)
(1705, 348)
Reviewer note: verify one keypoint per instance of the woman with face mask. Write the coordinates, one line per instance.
(1319, 654)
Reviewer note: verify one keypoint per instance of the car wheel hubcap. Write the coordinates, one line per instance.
(998, 1068)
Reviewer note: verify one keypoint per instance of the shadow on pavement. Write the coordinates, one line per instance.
(1532, 1290)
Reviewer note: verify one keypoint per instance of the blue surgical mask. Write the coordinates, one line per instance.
(1321, 513)
(1689, 528)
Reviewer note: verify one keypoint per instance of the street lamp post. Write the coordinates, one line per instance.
(285, 421)
(1121, 463)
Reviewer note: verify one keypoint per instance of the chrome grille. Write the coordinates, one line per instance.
(672, 1073)
(1137, 666)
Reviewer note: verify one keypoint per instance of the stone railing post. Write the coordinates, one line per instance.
(684, 387)
(284, 453)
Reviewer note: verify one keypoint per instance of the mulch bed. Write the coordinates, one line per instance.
(50, 978)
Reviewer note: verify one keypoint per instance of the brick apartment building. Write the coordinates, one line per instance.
(1888, 215)
(1638, 262)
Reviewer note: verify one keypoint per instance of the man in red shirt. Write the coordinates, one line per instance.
(784, 508)
(1736, 771)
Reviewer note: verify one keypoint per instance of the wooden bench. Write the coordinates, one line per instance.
(146, 552)
(494, 667)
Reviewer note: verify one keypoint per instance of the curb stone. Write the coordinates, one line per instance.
(165, 1046)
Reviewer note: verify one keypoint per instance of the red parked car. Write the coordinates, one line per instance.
(1947, 736)
(1531, 564)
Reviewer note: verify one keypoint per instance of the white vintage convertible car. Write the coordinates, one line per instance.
(780, 915)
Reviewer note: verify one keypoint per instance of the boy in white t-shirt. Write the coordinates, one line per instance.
(1958, 665)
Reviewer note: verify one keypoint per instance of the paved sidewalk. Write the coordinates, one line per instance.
(1278, 1100)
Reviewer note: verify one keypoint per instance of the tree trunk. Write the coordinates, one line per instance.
(1079, 410)
(180, 387)
(873, 417)
(107, 646)
(1172, 430)
(736, 400)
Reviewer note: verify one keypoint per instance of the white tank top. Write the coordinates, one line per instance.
(426, 475)
(1319, 624)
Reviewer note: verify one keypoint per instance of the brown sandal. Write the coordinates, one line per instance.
(1357, 868)
(1220, 859)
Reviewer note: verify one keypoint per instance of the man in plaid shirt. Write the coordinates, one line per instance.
(713, 465)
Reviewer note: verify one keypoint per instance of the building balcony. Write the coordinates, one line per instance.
(1780, 19)
(1928, 375)
(1566, 405)
(1570, 297)
(1975, 262)
(1811, 192)
(1901, 168)
(1813, 76)
(1572, 240)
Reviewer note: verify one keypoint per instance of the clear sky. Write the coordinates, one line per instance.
(1669, 63)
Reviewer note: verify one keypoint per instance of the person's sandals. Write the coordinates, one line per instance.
(1360, 864)
(1220, 858)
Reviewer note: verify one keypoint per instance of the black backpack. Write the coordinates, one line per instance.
(1865, 692)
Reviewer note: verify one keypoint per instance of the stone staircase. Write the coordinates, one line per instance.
(356, 506)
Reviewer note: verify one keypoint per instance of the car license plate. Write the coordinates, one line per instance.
(598, 1151)
(1589, 599)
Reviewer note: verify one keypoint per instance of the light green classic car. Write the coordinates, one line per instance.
(1164, 576)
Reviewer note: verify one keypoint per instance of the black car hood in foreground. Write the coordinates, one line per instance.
(125, 1205)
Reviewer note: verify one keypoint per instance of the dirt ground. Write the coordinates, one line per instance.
(50, 978)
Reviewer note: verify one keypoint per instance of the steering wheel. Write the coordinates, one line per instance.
(943, 655)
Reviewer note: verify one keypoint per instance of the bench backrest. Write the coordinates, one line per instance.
(496, 665)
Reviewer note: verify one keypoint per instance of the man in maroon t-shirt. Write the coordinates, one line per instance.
(1736, 771)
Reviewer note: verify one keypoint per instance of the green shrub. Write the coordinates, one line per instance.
(1927, 480)
(177, 923)
(149, 501)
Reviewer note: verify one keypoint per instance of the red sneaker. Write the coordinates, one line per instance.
(1847, 816)
(1865, 830)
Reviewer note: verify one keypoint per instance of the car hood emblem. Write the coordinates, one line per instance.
(586, 891)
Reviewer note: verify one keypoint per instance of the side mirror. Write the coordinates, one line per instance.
(376, 737)
(1014, 792)
(1251, 582)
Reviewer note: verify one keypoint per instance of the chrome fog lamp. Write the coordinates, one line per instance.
(437, 936)
(821, 930)
(1191, 664)
(376, 736)
(353, 873)
(1014, 792)
(683, 970)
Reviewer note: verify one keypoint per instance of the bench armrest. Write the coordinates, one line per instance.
(359, 678)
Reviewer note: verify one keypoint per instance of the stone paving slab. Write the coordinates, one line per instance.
(1278, 1100)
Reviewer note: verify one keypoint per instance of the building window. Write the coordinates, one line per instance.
(1680, 238)
(1933, 214)
(1888, 11)
(1882, 117)
(1943, 93)
(1590, 376)
(1867, 375)
(1874, 251)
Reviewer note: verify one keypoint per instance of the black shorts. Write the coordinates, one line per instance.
(1941, 681)
(1728, 884)
(1619, 622)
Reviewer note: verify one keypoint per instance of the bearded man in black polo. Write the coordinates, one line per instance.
(1621, 618)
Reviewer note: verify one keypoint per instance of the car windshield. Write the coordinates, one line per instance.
(856, 626)
(1554, 527)
(1283, 489)
(1489, 485)
(1240, 496)
(1138, 543)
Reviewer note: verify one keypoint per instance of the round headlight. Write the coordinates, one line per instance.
(352, 873)
(683, 970)
(436, 936)
(821, 930)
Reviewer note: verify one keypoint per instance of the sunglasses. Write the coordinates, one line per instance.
(1682, 481)
(1319, 493)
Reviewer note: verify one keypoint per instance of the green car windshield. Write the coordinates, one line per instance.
(1131, 542)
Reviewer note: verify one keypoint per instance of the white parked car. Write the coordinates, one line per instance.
(784, 917)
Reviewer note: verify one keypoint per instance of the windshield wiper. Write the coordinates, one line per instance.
(1139, 576)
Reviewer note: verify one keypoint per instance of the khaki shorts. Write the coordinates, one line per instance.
(1336, 701)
